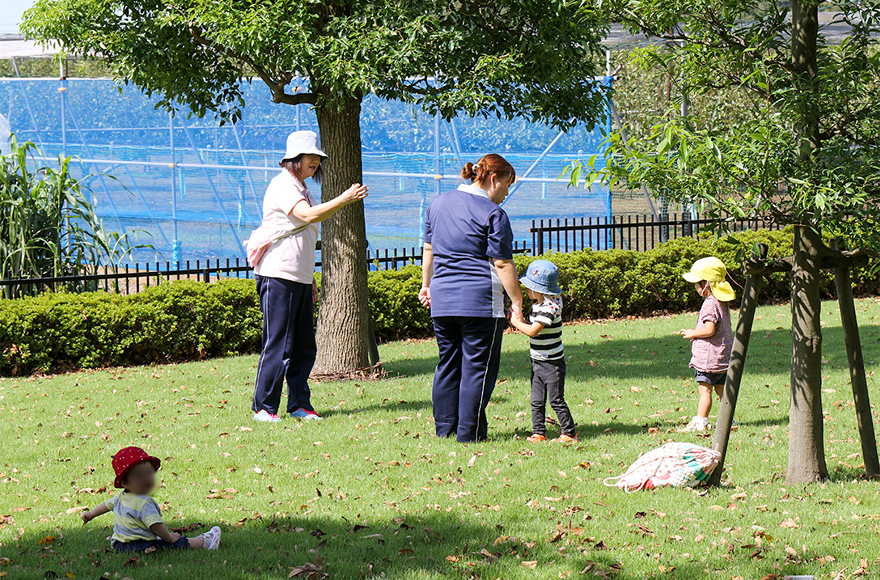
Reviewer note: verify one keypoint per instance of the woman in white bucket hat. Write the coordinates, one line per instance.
(285, 279)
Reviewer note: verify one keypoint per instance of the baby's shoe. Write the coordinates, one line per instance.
(696, 425)
(211, 538)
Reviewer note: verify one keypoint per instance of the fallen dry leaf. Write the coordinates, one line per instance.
(309, 570)
(530, 564)
(73, 510)
(788, 523)
(47, 540)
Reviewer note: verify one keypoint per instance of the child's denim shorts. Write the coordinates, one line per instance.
(142, 545)
(710, 378)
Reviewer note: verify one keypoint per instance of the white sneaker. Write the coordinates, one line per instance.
(266, 417)
(211, 538)
(696, 425)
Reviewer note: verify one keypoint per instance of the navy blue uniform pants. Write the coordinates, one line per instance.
(470, 351)
(289, 347)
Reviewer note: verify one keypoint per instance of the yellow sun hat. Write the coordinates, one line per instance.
(713, 271)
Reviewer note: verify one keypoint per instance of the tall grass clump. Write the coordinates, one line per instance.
(48, 224)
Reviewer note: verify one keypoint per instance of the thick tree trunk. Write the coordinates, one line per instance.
(806, 445)
(345, 334)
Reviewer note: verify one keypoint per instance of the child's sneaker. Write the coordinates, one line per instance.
(536, 438)
(568, 438)
(266, 417)
(696, 425)
(305, 415)
(211, 538)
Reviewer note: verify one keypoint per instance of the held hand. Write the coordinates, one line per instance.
(174, 537)
(516, 312)
(425, 296)
(355, 193)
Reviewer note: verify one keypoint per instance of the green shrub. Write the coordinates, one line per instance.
(174, 321)
(394, 304)
(601, 284)
(188, 319)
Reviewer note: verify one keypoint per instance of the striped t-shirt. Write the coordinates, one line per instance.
(132, 517)
(548, 344)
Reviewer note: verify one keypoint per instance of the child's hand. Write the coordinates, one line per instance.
(686, 333)
(516, 313)
(174, 537)
(87, 517)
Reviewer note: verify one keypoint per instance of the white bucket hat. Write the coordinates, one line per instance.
(302, 143)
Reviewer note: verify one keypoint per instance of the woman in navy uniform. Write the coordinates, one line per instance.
(467, 268)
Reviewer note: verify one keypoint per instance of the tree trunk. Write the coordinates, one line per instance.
(344, 330)
(806, 444)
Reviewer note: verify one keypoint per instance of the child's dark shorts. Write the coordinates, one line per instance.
(142, 545)
(710, 378)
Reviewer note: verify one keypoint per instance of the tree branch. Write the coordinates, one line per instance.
(276, 87)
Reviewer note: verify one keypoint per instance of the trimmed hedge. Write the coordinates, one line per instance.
(180, 320)
(611, 283)
(187, 319)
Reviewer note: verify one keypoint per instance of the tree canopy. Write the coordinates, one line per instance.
(804, 147)
(508, 58)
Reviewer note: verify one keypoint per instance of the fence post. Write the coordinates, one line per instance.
(540, 246)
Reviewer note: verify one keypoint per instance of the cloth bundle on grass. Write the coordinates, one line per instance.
(263, 237)
(673, 464)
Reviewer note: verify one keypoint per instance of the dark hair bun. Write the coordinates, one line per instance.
(486, 167)
(467, 172)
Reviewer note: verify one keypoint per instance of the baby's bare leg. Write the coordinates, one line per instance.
(197, 542)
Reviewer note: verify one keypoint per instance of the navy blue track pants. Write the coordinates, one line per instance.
(289, 347)
(470, 351)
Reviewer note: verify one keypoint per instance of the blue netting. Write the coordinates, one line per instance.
(200, 184)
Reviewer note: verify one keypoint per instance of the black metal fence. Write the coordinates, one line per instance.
(640, 233)
(633, 232)
(132, 279)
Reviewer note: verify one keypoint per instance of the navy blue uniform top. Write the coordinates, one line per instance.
(467, 232)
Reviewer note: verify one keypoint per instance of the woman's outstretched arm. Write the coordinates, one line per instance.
(322, 211)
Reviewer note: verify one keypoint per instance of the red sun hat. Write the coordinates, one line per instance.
(127, 458)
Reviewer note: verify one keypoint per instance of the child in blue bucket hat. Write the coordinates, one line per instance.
(548, 359)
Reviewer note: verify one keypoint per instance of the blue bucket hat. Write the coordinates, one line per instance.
(541, 276)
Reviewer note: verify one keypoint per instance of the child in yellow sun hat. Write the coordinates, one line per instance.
(712, 339)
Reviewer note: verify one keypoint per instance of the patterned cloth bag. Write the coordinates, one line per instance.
(674, 464)
(263, 237)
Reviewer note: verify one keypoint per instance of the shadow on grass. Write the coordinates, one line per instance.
(273, 547)
(625, 359)
(399, 406)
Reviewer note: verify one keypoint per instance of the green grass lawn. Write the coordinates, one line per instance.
(369, 492)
